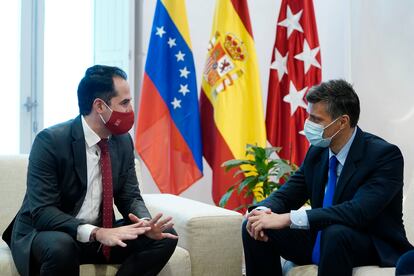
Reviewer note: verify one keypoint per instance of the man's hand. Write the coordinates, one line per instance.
(116, 236)
(262, 236)
(267, 221)
(157, 226)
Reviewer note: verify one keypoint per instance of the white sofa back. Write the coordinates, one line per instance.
(409, 212)
(13, 172)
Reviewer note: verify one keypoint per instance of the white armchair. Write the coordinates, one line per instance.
(209, 236)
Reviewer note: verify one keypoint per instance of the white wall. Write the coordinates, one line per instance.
(382, 44)
(365, 42)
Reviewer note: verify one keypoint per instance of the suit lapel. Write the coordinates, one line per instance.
(320, 179)
(79, 151)
(113, 151)
(354, 155)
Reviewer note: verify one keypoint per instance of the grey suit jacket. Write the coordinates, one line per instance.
(57, 183)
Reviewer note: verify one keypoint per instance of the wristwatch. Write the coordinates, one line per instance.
(92, 238)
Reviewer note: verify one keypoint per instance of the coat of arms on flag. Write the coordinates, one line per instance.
(221, 69)
(230, 86)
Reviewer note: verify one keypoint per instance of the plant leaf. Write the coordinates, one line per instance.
(225, 198)
(235, 163)
(247, 181)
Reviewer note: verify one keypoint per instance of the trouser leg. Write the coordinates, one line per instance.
(343, 248)
(263, 258)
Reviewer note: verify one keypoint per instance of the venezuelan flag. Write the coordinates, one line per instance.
(168, 136)
(230, 101)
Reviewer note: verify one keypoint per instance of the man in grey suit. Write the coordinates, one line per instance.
(63, 221)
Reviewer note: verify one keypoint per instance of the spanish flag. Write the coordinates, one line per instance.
(231, 96)
(168, 136)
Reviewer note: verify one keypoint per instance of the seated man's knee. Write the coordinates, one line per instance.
(243, 227)
(61, 246)
(56, 248)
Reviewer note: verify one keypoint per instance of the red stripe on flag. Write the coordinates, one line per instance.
(284, 118)
(160, 142)
(243, 11)
(216, 151)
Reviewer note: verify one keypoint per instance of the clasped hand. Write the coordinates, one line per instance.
(153, 229)
(259, 220)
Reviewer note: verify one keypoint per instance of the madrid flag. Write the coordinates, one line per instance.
(168, 136)
(231, 102)
(295, 67)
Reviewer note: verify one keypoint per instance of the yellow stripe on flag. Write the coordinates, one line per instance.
(235, 96)
(177, 11)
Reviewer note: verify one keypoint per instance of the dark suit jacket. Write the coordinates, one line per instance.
(368, 195)
(57, 182)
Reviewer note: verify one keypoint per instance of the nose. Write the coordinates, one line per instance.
(130, 108)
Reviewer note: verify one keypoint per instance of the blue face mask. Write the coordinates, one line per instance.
(314, 134)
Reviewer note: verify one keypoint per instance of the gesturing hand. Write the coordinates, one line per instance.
(116, 236)
(157, 226)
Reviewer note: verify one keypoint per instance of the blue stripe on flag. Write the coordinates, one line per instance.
(170, 66)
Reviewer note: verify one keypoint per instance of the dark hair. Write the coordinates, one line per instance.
(340, 98)
(97, 83)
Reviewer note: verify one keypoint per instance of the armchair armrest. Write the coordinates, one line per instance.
(211, 234)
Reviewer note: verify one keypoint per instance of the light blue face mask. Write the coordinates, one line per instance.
(314, 134)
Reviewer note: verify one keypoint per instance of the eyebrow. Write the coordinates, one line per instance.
(124, 101)
(315, 118)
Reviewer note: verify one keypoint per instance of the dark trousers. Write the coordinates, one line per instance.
(342, 248)
(405, 264)
(58, 254)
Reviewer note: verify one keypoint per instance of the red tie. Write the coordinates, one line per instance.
(106, 171)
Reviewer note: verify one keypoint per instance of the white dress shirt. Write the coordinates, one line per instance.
(90, 211)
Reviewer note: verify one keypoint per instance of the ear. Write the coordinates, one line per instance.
(98, 105)
(345, 120)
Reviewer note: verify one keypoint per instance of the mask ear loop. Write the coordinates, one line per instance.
(330, 125)
(107, 107)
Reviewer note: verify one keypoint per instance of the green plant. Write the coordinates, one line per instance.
(264, 173)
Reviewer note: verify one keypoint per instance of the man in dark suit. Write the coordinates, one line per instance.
(76, 170)
(356, 215)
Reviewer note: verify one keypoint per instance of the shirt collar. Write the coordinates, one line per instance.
(91, 137)
(343, 153)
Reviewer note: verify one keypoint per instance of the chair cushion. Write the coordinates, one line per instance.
(312, 270)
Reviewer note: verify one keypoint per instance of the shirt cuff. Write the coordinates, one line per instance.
(84, 232)
(299, 219)
(261, 208)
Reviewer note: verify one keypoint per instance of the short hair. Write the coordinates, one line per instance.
(97, 83)
(340, 98)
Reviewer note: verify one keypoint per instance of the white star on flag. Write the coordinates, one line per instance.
(171, 42)
(302, 132)
(184, 89)
(176, 103)
(180, 56)
(184, 72)
(308, 56)
(160, 31)
(292, 21)
(295, 98)
(280, 64)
